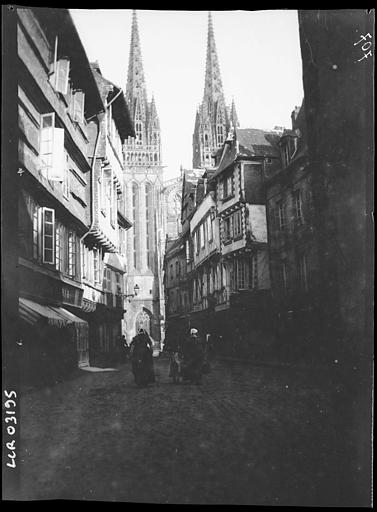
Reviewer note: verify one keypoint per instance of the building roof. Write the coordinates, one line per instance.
(59, 22)
(173, 246)
(258, 142)
(251, 143)
(113, 93)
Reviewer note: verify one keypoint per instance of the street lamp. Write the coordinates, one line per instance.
(131, 295)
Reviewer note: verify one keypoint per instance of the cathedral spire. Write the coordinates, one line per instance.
(213, 118)
(136, 88)
(233, 115)
(213, 88)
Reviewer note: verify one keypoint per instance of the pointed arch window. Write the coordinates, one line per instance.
(138, 124)
(135, 214)
(149, 223)
(220, 134)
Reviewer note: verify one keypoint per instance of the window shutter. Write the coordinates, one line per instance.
(48, 235)
(78, 106)
(46, 144)
(57, 170)
(61, 76)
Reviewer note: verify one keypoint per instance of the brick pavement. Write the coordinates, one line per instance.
(248, 435)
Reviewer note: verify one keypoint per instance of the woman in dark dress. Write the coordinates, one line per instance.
(141, 352)
(193, 357)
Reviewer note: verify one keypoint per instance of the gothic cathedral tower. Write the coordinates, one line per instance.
(142, 182)
(213, 117)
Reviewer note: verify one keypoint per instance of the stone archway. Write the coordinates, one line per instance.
(143, 321)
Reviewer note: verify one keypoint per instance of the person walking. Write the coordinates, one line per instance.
(141, 353)
(193, 355)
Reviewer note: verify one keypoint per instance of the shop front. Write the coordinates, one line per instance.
(54, 341)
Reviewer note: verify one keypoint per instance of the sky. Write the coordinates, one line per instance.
(259, 55)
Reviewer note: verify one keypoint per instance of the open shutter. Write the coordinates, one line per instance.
(78, 106)
(47, 137)
(61, 76)
(58, 168)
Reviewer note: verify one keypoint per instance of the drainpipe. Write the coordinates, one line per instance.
(115, 97)
(99, 118)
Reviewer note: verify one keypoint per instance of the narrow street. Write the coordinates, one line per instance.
(248, 435)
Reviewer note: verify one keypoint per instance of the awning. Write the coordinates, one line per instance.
(31, 312)
(71, 318)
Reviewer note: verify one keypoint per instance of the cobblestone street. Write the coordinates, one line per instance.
(248, 435)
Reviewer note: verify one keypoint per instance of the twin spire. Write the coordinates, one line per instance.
(212, 113)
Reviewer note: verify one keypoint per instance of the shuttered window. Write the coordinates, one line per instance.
(36, 231)
(53, 161)
(48, 235)
(237, 224)
(61, 75)
(72, 254)
(59, 247)
(78, 99)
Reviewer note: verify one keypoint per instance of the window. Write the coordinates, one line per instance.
(96, 269)
(197, 241)
(253, 272)
(36, 223)
(118, 282)
(220, 135)
(188, 258)
(72, 254)
(77, 105)
(227, 186)
(148, 224)
(107, 279)
(48, 233)
(240, 274)
(84, 261)
(209, 228)
(60, 75)
(303, 272)
(227, 222)
(298, 207)
(281, 216)
(202, 239)
(135, 227)
(53, 161)
(237, 223)
(66, 175)
(59, 246)
(138, 125)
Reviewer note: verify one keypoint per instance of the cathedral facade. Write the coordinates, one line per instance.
(214, 118)
(144, 302)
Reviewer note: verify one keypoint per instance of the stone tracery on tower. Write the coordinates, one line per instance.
(213, 117)
(142, 183)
